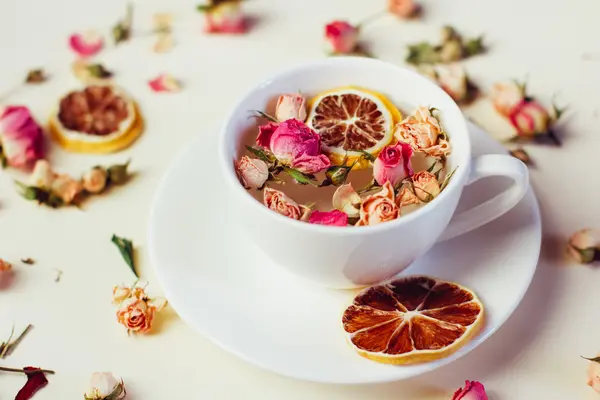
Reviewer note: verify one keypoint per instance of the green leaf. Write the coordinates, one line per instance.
(370, 186)
(368, 156)
(423, 53)
(474, 46)
(430, 169)
(301, 178)
(125, 247)
(120, 33)
(118, 174)
(204, 7)
(558, 112)
(447, 179)
(595, 359)
(261, 114)
(98, 71)
(264, 155)
(30, 192)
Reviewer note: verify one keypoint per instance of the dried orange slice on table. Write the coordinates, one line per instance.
(96, 119)
(351, 120)
(412, 319)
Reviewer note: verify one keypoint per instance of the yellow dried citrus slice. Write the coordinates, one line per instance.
(96, 119)
(350, 120)
(412, 319)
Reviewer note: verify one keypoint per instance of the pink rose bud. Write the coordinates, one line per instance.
(21, 138)
(225, 17)
(379, 207)
(593, 375)
(253, 173)
(264, 134)
(426, 186)
(530, 118)
(86, 44)
(341, 37)
(164, 83)
(472, 391)
(393, 164)
(403, 8)
(453, 80)
(282, 204)
(294, 144)
(290, 106)
(506, 97)
(333, 218)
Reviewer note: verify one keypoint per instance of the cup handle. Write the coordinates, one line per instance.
(484, 166)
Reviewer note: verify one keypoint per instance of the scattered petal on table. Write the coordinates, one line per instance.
(36, 76)
(36, 380)
(165, 83)
(86, 44)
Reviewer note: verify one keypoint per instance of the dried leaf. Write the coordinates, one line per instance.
(301, 178)
(98, 71)
(125, 247)
(36, 76)
(118, 174)
(264, 155)
(474, 46)
(29, 261)
(121, 32)
(423, 53)
(447, 179)
(10, 347)
(40, 195)
(595, 359)
(261, 114)
(368, 156)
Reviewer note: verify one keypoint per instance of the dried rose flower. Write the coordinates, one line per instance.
(403, 8)
(224, 16)
(331, 218)
(252, 172)
(136, 310)
(393, 164)
(453, 48)
(506, 96)
(341, 37)
(95, 180)
(379, 207)
(593, 373)
(90, 73)
(21, 138)
(290, 106)
(424, 133)
(584, 246)
(104, 386)
(165, 83)
(347, 200)
(66, 188)
(86, 44)
(472, 391)
(282, 204)
(426, 186)
(407, 197)
(5, 265)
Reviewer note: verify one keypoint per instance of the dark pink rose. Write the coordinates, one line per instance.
(21, 138)
(86, 44)
(472, 391)
(342, 37)
(294, 144)
(226, 17)
(530, 118)
(393, 164)
(264, 134)
(333, 218)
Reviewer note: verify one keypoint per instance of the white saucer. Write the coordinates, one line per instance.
(224, 286)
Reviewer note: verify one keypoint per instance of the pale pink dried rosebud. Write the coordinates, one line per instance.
(341, 37)
(86, 44)
(225, 17)
(453, 79)
(94, 180)
(282, 204)
(42, 175)
(332, 218)
(426, 186)
(21, 138)
(403, 8)
(66, 188)
(290, 106)
(104, 386)
(424, 134)
(530, 118)
(164, 83)
(379, 207)
(252, 172)
(347, 200)
(506, 96)
(5, 265)
(472, 391)
(593, 374)
(584, 246)
(393, 164)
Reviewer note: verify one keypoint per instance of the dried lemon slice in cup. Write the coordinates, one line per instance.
(351, 120)
(412, 319)
(96, 119)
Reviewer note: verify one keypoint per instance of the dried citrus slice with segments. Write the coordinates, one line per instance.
(351, 120)
(96, 119)
(412, 319)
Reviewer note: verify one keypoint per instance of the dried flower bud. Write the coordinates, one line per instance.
(118, 174)
(347, 200)
(36, 76)
(584, 246)
(521, 154)
(42, 175)
(94, 181)
(66, 188)
(448, 33)
(336, 175)
(451, 51)
(5, 265)
(104, 386)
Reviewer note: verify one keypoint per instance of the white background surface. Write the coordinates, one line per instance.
(535, 355)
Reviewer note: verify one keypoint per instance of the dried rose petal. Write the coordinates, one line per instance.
(164, 43)
(165, 83)
(86, 44)
(35, 381)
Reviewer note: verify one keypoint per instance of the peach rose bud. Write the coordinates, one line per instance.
(331, 218)
(403, 8)
(424, 134)
(341, 37)
(426, 186)
(506, 96)
(5, 265)
(393, 164)
(66, 188)
(252, 172)
(407, 197)
(42, 175)
(282, 204)
(530, 118)
(104, 386)
(453, 79)
(584, 246)
(136, 315)
(94, 181)
(593, 374)
(86, 44)
(472, 391)
(164, 83)
(346, 199)
(379, 207)
(290, 106)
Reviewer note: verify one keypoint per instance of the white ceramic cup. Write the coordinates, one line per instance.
(358, 256)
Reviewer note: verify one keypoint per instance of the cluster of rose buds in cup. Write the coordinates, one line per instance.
(136, 310)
